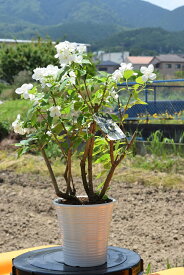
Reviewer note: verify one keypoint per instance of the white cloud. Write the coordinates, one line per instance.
(167, 4)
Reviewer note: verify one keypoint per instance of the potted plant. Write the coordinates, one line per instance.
(73, 110)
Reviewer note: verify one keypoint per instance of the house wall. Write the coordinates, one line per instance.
(138, 66)
(169, 68)
(108, 69)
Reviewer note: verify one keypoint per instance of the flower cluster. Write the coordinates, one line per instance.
(55, 111)
(70, 77)
(24, 90)
(18, 126)
(148, 73)
(70, 52)
(46, 75)
(118, 74)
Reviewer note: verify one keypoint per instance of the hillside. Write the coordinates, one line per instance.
(145, 41)
(107, 24)
(130, 13)
(30, 18)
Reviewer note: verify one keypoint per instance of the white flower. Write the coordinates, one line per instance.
(46, 75)
(24, 90)
(49, 133)
(17, 126)
(72, 78)
(78, 59)
(118, 74)
(69, 52)
(55, 111)
(148, 73)
(125, 67)
(114, 94)
(37, 98)
(81, 48)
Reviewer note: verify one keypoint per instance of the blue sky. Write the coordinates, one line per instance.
(167, 4)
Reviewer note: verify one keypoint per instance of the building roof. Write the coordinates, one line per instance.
(169, 58)
(108, 63)
(140, 59)
(2, 40)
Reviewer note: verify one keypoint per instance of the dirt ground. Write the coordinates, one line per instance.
(148, 220)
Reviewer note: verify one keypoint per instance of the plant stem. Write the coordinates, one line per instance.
(69, 190)
(55, 104)
(108, 179)
(88, 93)
(113, 167)
(90, 107)
(111, 144)
(57, 141)
(127, 148)
(90, 164)
(121, 117)
(54, 181)
(88, 151)
(103, 95)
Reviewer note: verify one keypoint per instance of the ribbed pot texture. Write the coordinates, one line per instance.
(84, 230)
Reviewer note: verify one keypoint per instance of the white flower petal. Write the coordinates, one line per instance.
(143, 69)
(144, 78)
(151, 68)
(152, 76)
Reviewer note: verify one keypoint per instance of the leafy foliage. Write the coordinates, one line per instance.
(14, 59)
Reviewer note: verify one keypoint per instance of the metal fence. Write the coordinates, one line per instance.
(162, 97)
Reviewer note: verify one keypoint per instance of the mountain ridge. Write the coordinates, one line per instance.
(126, 13)
(99, 22)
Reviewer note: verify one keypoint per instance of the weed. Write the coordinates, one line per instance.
(168, 265)
(148, 269)
(161, 146)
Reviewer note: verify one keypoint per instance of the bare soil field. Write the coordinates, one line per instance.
(146, 219)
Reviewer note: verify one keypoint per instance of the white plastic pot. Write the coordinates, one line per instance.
(85, 230)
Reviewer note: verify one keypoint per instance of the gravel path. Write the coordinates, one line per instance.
(148, 220)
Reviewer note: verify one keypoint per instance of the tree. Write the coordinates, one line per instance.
(21, 57)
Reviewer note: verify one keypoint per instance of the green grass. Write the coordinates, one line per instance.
(149, 170)
(10, 109)
(169, 164)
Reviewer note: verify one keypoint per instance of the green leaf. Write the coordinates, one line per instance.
(125, 116)
(86, 61)
(66, 110)
(25, 142)
(102, 173)
(115, 117)
(22, 151)
(136, 86)
(63, 85)
(82, 72)
(58, 128)
(128, 74)
(100, 186)
(139, 80)
(77, 105)
(103, 158)
(139, 101)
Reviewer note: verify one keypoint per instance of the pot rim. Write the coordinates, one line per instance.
(83, 205)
